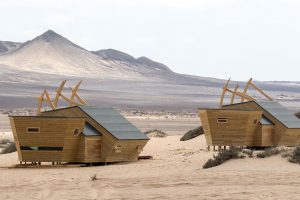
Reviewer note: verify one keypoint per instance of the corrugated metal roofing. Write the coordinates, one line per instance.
(114, 122)
(281, 113)
(89, 130)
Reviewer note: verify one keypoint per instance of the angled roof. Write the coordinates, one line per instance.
(282, 114)
(114, 123)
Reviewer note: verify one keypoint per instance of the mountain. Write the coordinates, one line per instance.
(7, 47)
(111, 77)
(51, 53)
(112, 54)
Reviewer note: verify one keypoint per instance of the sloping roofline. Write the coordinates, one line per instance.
(247, 102)
(147, 138)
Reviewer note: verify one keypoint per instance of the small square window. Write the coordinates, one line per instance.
(118, 149)
(33, 130)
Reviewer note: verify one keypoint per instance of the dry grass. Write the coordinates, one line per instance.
(9, 148)
(156, 133)
(222, 157)
(295, 157)
(268, 152)
(192, 134)
(94, 177)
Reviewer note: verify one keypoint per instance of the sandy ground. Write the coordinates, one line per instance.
(174, 173)
(178, 126)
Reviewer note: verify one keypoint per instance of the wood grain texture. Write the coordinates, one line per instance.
(239, 131)
(108, 142)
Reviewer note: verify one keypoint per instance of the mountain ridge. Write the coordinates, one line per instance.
(54, 54)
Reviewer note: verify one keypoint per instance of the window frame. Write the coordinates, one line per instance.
(222, 120)
(38, 130)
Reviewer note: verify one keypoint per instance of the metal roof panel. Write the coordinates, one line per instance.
(114, 122)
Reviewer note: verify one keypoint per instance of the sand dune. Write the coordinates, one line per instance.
(174, 173)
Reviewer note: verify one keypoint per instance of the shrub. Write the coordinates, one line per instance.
(248, 152)
(93, 177)
(6, 141)
(156, 133)
(222, 157)
(268, 152)
(9, 148)
(295, 158)
(192, 134)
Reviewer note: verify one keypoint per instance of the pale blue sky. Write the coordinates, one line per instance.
(215, 38)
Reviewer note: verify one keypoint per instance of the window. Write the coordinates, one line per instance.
(27, 148)
(222, 120)
(33, 130)
(76, 132)
(118, 149)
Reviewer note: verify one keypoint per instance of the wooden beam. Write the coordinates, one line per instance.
(74, 91)
(48, 99)
(40, 102)
(245, 96)
(234, 94)
(224, 91)
(70, 101)
(246, 88)
(79, 99)
(58, 92)
(261, 91)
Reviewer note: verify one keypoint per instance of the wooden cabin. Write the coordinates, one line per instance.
(252, 123)
(77, 134)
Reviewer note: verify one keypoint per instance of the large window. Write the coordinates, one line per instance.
(31, 148)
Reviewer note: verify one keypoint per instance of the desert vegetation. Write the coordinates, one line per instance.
(7, 146)
(156, 133)
(93, 177)
(291, 153)
(269, 152)
(192, 134)
(295, 157)
(223, 156)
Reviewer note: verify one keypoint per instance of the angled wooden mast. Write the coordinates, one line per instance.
(243, 95)
(74, 100)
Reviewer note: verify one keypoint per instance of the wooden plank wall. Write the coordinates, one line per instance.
(279, 128)
(264, 136)
(290, 138)
(54, 132)
(108, 141)
(205, 124)
(239, 131)
(93, 149)
(130, 152)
